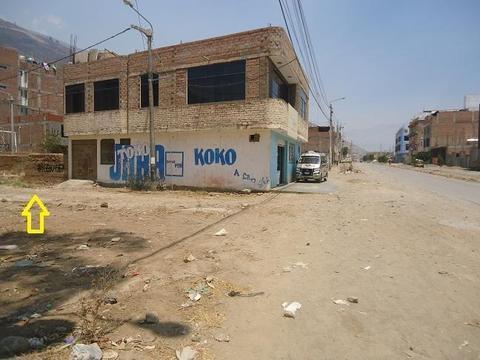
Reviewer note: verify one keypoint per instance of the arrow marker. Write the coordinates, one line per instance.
(28, 214)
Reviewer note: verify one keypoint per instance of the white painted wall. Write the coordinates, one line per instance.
(251, 168)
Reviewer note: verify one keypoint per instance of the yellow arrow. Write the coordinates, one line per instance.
(43, 212)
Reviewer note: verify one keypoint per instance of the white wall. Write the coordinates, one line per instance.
(250, 168)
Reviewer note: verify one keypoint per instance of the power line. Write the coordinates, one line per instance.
(140, 24)
(68, 56)
(284, 11)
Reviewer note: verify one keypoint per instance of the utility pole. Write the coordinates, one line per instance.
(149, 34)
(330, 137)
(331, 129)
(12, 126)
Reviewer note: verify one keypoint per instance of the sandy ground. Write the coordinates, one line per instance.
(412, 258)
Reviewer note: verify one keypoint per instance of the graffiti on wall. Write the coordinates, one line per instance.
(174, 163)
(214, 156)
(45, 167)
(132, 161)
(252, 180)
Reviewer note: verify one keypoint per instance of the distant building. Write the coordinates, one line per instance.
(450, 135)
(402, 142)
(37, 92)
(319, 141)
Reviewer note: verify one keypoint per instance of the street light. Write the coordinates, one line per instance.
(12, 127)
(331, 127)
(149, 34)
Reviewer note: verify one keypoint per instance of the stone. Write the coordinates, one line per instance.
(151, 318)
(222, 338)
(104, 205)
(86, 352)
(13, 345)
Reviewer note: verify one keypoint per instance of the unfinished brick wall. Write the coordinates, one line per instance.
(172, 62)
(38, 166)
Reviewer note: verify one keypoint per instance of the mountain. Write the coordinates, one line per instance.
(30, 43)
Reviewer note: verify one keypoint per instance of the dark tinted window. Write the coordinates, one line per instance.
(107, 151)
(218, 82)
(144, 90)
(278, 88)
(124, 141)
(303, 104)
(106, 95)
(74, 98)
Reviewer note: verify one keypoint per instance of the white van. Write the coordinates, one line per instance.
(312, 166)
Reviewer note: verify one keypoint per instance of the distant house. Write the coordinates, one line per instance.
(37, 92)
(402, 142)
(451, 136)
(319, 141)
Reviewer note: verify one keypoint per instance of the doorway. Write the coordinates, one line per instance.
(281, 164)
(84, 159)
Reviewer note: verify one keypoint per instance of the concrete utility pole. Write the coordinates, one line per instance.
(149, 34)
(331, 129)
(12, 126)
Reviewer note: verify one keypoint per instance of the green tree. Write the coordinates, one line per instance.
(53, 143)
(345, 151)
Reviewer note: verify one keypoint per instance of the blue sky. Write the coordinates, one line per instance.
(390, 59)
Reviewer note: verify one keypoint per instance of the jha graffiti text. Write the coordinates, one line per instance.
(133, 161)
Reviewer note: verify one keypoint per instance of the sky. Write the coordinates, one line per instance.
(391, 59)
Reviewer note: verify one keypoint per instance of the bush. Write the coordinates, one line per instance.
(53, 144)
(382, 158)
(426, 156)
(144, 184)
(368, 157)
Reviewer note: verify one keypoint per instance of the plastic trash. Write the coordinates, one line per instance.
(290, 309)
(340, 302)
(187, 353)
(86, 352)
(221, 232)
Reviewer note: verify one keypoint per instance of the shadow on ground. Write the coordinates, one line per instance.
(46, 271)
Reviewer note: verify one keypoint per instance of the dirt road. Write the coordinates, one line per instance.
(410, 256)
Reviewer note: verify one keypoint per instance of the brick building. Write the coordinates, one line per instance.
(319, 139)
(230, 112)
(447, 134)
(37, 96)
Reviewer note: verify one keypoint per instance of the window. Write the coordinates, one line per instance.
(124, 141)
(405, 138)
(218, 82)
(4, 67)
(144, 90)
(23, 110)
(74, 98)
(291, 153)
(23, 79)
(2, 86)
(254, 138)
(406, 147)
(278, 88)
(107, 151)
(303, 104)
(106, 95)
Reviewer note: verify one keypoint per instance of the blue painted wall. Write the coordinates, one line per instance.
(280, 139)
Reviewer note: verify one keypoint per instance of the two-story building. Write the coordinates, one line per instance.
(230, 112)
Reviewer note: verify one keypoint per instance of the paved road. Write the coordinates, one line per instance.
(451, 188)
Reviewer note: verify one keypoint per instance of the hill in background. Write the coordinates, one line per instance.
(30, 43)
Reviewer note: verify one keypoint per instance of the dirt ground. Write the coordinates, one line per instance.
(411, 258)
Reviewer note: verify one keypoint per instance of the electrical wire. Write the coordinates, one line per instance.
(68, 56)
(285, 14)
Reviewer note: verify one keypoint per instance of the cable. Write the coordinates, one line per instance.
(291, 40)
(140, 24)
(66, 57)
